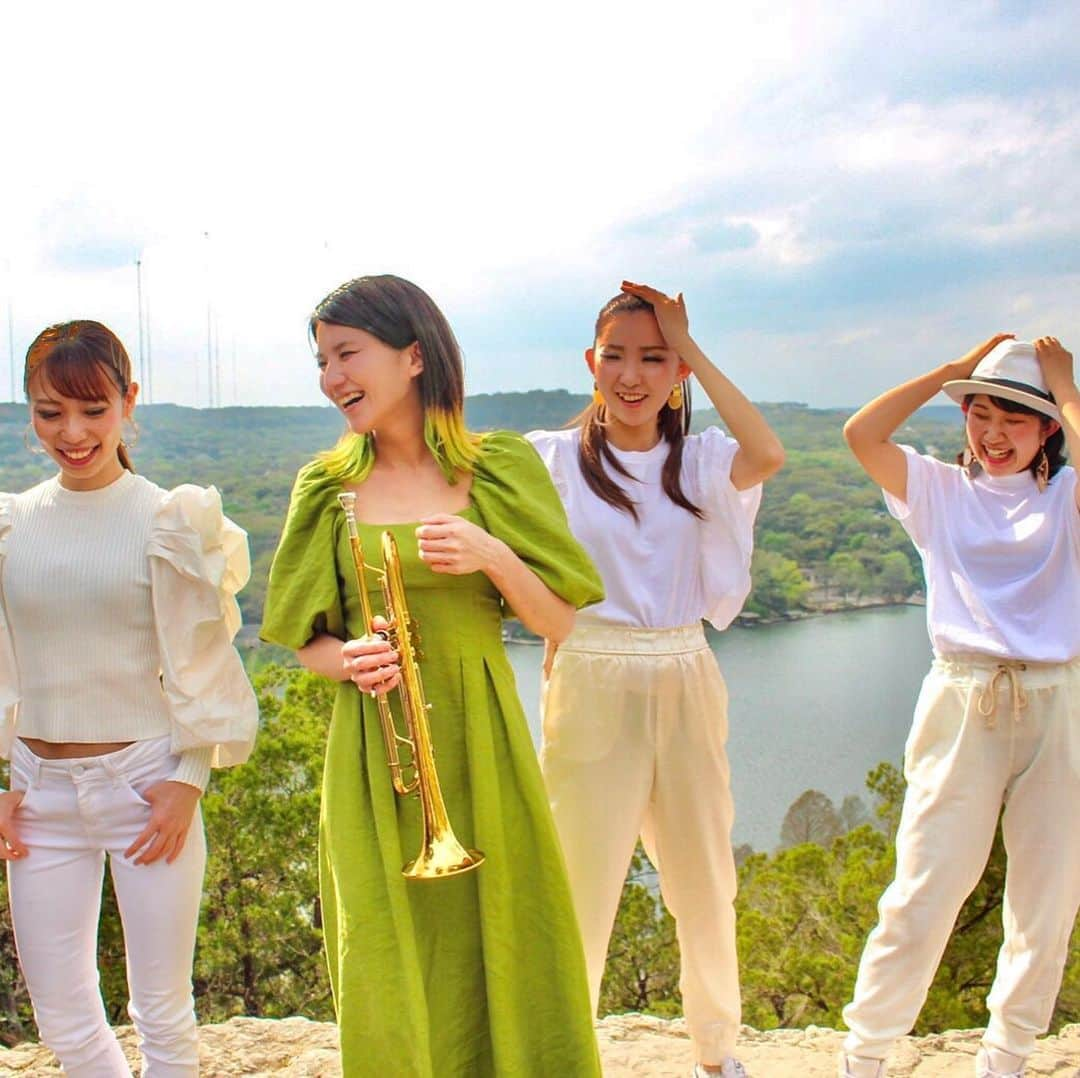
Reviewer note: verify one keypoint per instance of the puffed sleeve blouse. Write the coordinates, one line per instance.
(117, 615)
(511, 493)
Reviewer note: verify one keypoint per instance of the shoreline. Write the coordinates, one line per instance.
(518, 635)
(749, 620)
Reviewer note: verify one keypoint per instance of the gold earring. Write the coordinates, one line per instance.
(597, 396)
(1042, 470)
(675, 397)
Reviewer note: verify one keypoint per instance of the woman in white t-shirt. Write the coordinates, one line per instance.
(634, 707)
(119, 690)
(997, 723)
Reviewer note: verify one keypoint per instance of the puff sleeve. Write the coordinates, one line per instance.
(303, 596)
(198, 562)
(9, 673)
(518, 504)
(727, 535)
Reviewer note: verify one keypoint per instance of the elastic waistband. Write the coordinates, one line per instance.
(629, 640)
(111, 764)
(982, 668)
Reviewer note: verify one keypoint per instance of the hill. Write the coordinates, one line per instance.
(824, 539)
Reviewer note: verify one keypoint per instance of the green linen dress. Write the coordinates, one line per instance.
(483, 973)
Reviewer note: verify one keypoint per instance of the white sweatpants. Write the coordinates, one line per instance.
(985, 734)
(74, 813)
(635, 722)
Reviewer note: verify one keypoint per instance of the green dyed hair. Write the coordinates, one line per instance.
(398, 313)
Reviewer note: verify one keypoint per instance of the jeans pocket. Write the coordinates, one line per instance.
(136, 788)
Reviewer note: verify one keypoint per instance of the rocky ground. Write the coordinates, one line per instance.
(631, 1045)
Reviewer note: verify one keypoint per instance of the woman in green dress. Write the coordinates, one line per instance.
(480, 973)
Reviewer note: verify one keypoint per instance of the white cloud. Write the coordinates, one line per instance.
(517, 163)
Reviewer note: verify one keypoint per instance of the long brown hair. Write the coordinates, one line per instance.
(594, 451)
(83, 360)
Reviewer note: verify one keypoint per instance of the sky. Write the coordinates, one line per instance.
(846, 194)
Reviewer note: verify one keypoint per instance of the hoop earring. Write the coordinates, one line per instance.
(129, 441)
(33, 447)
(1042, 470)
(597, 396)
(675, 397)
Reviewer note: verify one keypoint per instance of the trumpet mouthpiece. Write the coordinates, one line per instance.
(347, 500)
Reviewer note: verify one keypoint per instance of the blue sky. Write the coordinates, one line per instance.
(845, 197)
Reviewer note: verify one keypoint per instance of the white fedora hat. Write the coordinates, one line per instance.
(1009, 370)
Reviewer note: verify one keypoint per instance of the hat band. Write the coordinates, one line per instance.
(1022, 387)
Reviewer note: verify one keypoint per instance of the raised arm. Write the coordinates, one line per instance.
(869, 431)
(1057, 368)
(760, 452)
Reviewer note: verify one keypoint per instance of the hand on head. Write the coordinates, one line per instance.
(1055, 361)
(670, 312)
(970, 360)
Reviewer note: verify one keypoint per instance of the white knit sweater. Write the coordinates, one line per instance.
(116, 628)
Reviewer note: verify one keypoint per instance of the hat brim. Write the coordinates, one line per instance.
(959, 389)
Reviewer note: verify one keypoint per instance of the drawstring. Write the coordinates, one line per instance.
(987, 703)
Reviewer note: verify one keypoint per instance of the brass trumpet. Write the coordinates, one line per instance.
(440, 852)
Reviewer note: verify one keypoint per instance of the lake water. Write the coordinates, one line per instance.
(814, 704)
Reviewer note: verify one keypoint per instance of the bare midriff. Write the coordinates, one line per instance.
(71, 750)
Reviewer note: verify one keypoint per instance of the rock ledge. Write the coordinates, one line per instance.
(630, 1044)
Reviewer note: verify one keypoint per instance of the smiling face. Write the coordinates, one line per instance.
(370, 382)
(82, 436)
(635, 372)
(1004, 443)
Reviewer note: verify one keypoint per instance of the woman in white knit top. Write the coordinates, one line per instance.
(119, 690)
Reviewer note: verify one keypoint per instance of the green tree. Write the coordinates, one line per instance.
(260, 950)
(895, 579)
(779, 585)
(642, 970)
(848, 574)
(812, 817)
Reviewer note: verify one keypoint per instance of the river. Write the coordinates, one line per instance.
(815, 704)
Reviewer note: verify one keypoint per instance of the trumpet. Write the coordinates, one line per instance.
(440, 852)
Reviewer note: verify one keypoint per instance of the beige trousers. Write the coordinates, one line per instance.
(634, 723)
(985, 735)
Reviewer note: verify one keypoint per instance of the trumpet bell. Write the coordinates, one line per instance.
(442, 856)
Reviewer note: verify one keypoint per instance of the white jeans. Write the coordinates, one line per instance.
(984, 735)
(74, 813)
(635, 724)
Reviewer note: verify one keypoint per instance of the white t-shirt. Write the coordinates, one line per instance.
(1002, 560)
(668, 568)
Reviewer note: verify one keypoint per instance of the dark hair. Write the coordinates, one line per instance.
(83, 360)
(399, 314)
(1054, 446)
(594, 451)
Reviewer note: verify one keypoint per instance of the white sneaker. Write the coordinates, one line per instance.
(984, 1069)
(861, 1067)
(731, 1068)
